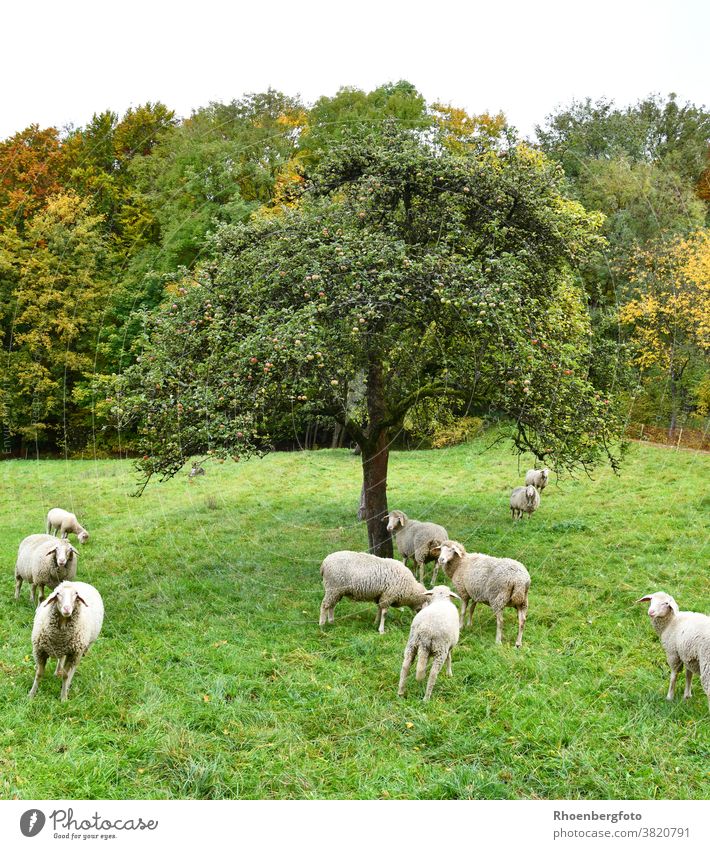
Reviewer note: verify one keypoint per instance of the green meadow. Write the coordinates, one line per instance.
(212, 680)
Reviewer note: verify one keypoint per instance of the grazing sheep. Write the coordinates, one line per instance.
(685, 637)
(364, 577)
(434, 633)
(196, 470)
(415, 539)
(65, 627)
(496, 581)
(65, 523)
(524, 499)
(44, 560)
(537, 478)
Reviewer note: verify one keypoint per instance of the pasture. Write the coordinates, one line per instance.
(212, 679)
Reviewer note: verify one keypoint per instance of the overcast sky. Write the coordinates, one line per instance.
(63, 61)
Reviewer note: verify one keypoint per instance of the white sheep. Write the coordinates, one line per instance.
(364, 577)
(44, 561)
(64, 523)
(498, 582)
(65, 627)
(415, 539)
(537, 478)
(685, 637)
(524, 499)
(434, 633)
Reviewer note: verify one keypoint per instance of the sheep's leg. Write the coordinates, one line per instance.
(462, 615)
(522, 615)
(471, 608)
(421, 571)
(422, 661)
(41, 594)
(18, 586)
(41, 661)
(409, 654)
(33, 594)
(434, 573)
(687, 693)
(383, 612)
(436, 665)
(59, 671)
(327, 610)
(449, 670)
(499, 626)
(69, 670)
(676, 665)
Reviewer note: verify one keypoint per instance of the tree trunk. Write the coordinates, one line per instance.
(375, 454)
(362, 509)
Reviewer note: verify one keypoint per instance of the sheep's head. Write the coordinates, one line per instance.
(66, 598)
(63, 551)
(83, 536)
(446, 552)
(441, 593)
(545, 474)
(395, 519)
(661, 605)
(530, 493)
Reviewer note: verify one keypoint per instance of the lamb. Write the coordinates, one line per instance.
(415, 539)
(364, 577)
(685, 637)
(537, 478)
(434, 633)
(65, 523)
(524, 499)
(44, 560)
(496, 581)
(65, 627)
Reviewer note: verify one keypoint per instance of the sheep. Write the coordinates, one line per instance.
(65, 626)
(65, 523)
(685, 637)
(364, 577)
(196, 470)
(434, 633)
(496, 581)
(524, 499)
(44, 560)
(415, 539)
(537, 478)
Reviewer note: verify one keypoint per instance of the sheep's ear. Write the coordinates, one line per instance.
(645, 598)
(435, 549)
(52, 598)
(79, 598)
(386, 517)
(458, 549)
(673, 604)
(52, 549)
(74, 550)
(428, 592)
(452, 594)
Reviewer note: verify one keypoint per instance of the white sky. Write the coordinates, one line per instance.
(62, 61)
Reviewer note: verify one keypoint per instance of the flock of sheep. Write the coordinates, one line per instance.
(69, 620)
(496, 581)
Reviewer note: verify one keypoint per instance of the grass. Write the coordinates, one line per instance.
(211, 678)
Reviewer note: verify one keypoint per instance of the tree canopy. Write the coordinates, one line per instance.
(407, 269)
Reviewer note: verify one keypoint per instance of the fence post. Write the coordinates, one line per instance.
(680, 436)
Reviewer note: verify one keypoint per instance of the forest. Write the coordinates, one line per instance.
(107, 229)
